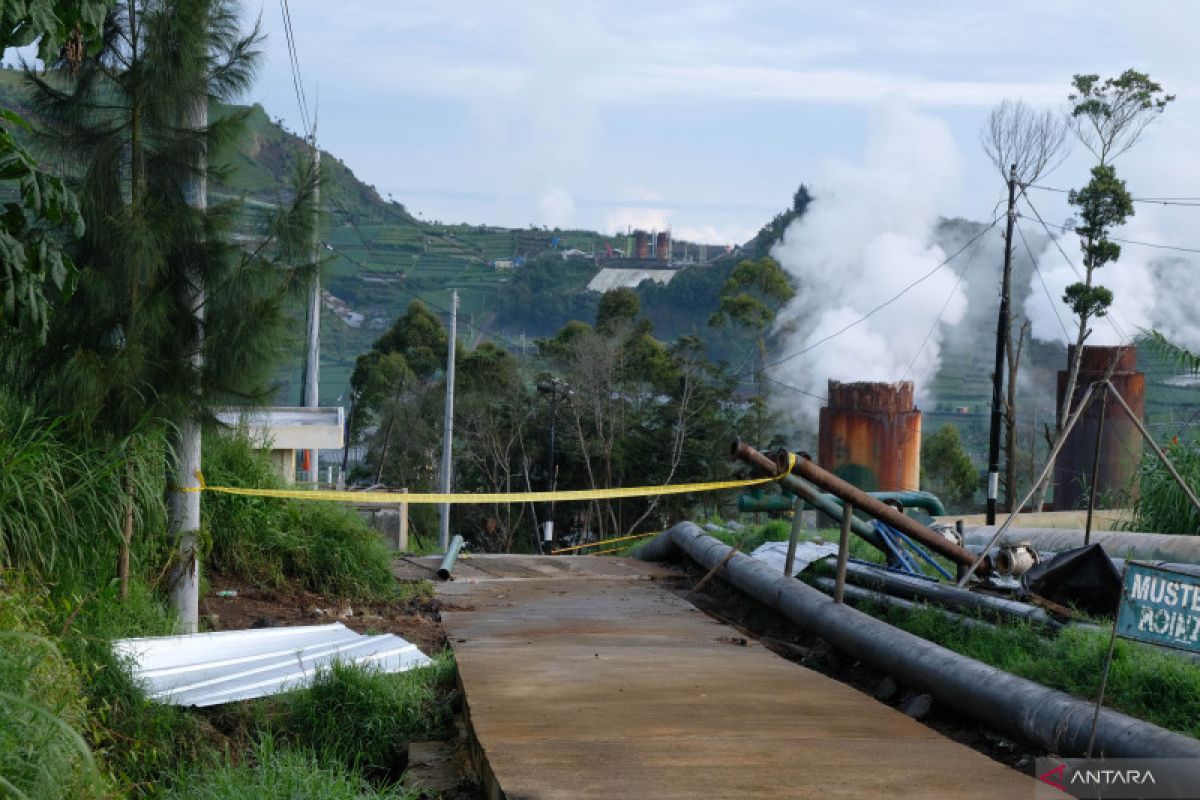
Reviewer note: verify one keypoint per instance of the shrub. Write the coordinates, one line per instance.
(1162, 506)
(281, 774)
(364, 719)
(266, 541)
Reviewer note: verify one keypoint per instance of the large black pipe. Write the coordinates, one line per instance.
(857, 595)
(947, 595)
(1045, 717)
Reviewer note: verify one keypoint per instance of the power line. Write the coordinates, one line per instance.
(294, 60)
(1110, 315)
(1045, 288)
(789, 386)
(961, 274)
(887, 302)
(1069, 229)
(1191, 202)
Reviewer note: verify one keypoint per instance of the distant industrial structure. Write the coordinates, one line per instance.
(648, 255)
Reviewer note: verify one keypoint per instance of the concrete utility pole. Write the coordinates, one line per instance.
(183, 507)
(1002, 326)
(448, 425)
(312, 359)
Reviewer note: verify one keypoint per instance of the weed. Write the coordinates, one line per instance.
(364, 720)
(274, 773)
(1161, 505)
(267, 541)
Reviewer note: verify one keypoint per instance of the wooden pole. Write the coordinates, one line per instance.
(839, 587)
(402, 536)
(1087, 528)
(790, 562)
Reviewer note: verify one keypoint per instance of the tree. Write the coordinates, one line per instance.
(33, 267)
(750, 299)
(171, 318)
(946, 468)
(1108, 117)
(1023, 145)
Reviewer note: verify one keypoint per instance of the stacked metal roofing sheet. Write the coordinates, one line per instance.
(207, 669)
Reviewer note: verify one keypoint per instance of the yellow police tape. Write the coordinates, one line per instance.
(601, 542)
(484, 497)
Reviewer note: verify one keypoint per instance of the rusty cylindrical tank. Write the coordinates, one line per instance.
(641, 243)
(662, 246)
(870, 435)
(1121, 446)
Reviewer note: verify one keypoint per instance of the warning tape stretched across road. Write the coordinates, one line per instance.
(493, 497)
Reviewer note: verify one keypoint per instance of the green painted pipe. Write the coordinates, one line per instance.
(753, 502)
(448, 560)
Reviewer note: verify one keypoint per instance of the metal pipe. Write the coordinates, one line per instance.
(806, 469)
(451, 556)
(1166, 462)
(1118, 544)
(856, 595)
(949, 596)
(1046, 717)
(801, 488)
(758, 501)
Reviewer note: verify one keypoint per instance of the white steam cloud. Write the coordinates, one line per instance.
(867, 235)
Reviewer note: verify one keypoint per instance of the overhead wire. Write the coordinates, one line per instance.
(294, 60)
(928, 334)
(1189, 202)
(1110, 315)
(887, 302)
(1037, 271)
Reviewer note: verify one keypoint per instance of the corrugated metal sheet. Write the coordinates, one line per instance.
(208, 669)
(610, 278)
(775, 554)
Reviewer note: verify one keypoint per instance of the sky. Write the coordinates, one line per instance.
(704, 116)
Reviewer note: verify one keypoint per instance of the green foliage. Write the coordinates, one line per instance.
(773, 231)
(1161, 505)
(325, 546)
(275, 773)
(1183, 357)
(946, 468)
(420, 337)
(62, 502)
(1147, 683)
(42, 706)
(617, 307)
(752, 295)
(1111, 115)
(52, 23)
(362, 719)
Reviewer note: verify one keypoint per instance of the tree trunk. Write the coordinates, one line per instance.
(184, 506)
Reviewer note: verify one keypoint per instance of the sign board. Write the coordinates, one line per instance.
(1160, 606)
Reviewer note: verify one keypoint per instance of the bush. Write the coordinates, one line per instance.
(266, 541)
(275, 774)
(363, 719)
(1162, 506)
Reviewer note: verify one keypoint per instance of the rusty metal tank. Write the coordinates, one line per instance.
(641, 243)
(662, 246)
(1121, 448)
(870, 435)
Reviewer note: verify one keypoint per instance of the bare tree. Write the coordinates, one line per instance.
(1034, 141)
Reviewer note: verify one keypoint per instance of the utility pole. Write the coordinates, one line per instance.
(312, 358)
(448, 424)
(993, 485)
(183, 498)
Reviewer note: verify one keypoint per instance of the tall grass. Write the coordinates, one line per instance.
(1144, 682)
(363, 719)
(275, 773)
(1162, 506)
(268, 541)
(63, 502)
